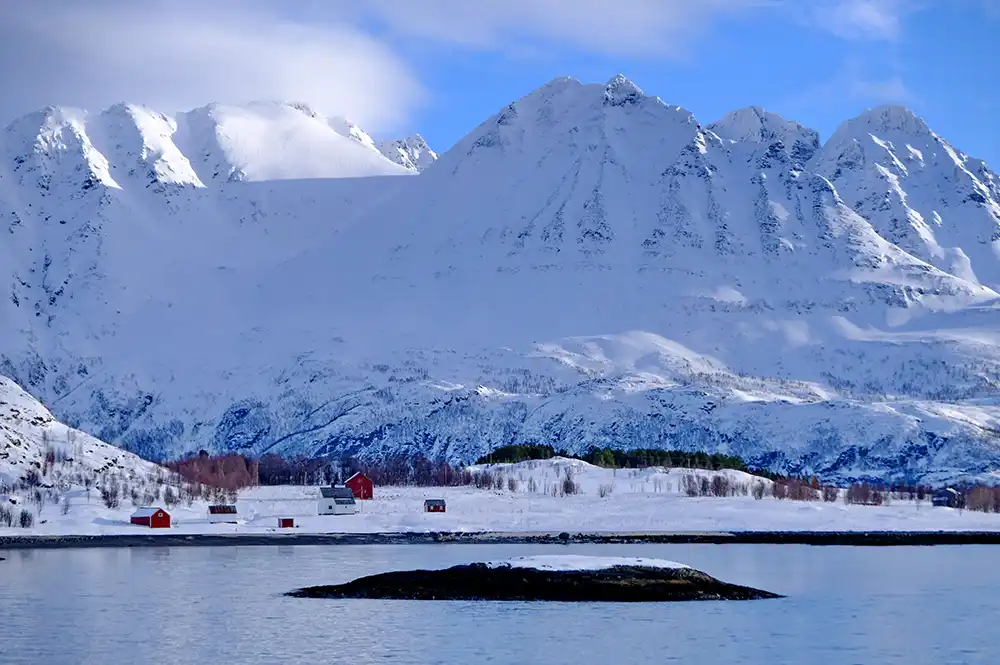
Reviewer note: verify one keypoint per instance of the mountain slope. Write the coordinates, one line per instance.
(589, 266)
(917, 191)
(28, 433)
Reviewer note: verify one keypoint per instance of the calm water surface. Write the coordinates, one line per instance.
(223, 605)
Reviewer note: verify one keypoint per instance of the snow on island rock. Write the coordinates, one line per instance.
(577, 562)
(552, 578)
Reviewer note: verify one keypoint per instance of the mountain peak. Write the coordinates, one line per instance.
(411, 153)
(47, 116)
(755, 125)
(889, 118)
(51, 145)
(620, 91)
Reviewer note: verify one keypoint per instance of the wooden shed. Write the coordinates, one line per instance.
(222, 514)
(362, 486)
(151, 516)
(337, 501)
(434, 506)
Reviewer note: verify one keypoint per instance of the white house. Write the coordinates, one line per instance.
(220, 514)
(337, 501)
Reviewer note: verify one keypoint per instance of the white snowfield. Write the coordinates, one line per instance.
(578, 562)
(650, 500)
(589, 266)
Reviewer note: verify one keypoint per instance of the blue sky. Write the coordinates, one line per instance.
(940, 61)
(442, 66)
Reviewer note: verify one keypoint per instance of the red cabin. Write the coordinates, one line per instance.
(361, 485)
(153, 517)
(434, 506)
(286, 523)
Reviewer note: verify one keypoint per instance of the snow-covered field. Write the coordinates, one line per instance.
(649, 500)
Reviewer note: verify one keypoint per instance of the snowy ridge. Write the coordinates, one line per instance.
(28, 431)
(412, 153)
(215, 143)
(589, 266)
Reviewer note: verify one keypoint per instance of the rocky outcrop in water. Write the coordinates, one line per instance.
(480, 581)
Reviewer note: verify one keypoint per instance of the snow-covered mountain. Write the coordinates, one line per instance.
(590, 266)
(412, 152)
(28, 433)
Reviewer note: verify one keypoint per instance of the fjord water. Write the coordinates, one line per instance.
(906, 605)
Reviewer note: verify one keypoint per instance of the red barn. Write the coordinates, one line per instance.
(361, 485)
(153, 517)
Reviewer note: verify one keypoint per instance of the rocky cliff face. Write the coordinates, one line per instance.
(590, 266)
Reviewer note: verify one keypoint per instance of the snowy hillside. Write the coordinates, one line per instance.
(590, 266)
(28, 432)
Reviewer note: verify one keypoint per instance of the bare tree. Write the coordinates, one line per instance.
(109, 495)
(38, 500)
(569, 486)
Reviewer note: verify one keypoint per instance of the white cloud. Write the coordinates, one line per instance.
(854, 84)
(616, 27)
(892, 90)
(863, 19)
(181, 54)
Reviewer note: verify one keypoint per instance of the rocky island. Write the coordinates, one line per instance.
(548, 578)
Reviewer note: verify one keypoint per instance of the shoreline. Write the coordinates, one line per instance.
(816, 538)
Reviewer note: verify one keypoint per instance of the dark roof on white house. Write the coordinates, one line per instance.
(336, 493)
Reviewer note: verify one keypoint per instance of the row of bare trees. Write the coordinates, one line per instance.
(983, 499)
(229, 472)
